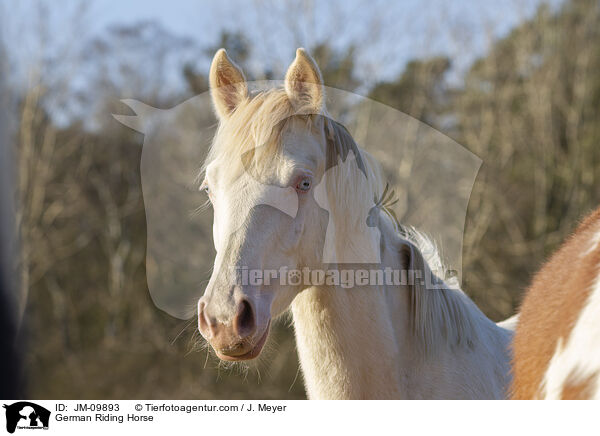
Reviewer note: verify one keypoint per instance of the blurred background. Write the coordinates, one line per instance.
(515, 82)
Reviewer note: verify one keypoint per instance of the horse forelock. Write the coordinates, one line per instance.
(255, 132)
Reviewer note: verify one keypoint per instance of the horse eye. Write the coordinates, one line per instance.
(205, 188)
(304, 185)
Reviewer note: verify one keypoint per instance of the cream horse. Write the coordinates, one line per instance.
(373, 341)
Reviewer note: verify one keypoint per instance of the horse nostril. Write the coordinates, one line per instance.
(245, 323)
(203, 323)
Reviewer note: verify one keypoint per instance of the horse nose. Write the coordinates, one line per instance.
(223, 335)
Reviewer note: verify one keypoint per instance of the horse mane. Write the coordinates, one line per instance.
(440, 314)
(443, 313)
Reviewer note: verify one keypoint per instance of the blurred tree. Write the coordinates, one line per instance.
(11, 345)
(418, 91)
(236, 44)
(238, 49)
(337, 67)
(196, 82)
(530, 110)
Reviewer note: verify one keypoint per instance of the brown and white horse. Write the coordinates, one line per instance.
(557, 341)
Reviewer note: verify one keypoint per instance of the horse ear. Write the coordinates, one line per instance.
(227, 84)
(304, 84)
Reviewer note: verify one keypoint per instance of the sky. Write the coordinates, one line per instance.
(409, 28)
(387, 33)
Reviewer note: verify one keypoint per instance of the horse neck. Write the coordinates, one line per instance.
(345, 345)
(349, 342)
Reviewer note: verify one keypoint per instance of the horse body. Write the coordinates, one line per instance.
(557, 340)
(381, 340)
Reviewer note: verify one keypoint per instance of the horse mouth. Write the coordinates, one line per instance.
(246, 355)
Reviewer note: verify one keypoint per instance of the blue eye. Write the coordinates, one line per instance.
(304, 185)
(204, 187)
